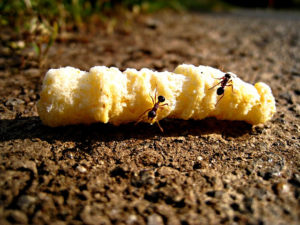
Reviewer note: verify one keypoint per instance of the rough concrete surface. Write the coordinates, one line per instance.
(196, 172)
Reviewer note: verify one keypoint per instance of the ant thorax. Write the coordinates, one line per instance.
(227, 75)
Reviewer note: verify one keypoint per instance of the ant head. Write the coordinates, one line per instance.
(227, 75)
(220, 91)
(151, 114)
(161, 98)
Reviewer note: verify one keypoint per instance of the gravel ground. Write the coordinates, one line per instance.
(196, 172)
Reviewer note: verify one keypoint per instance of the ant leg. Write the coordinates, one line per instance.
(161, 106)
(155, 93)
(219, 99)
(230, 85)
(161, 129)
(215, 85)
(152, 98)
(164, 105)
(141, 116)
(231, 88)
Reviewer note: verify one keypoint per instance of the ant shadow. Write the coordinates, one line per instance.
(32, 127)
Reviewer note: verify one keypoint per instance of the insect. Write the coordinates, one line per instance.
(152, 112)
(225, 81)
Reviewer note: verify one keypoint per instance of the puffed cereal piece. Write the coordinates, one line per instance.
(72, 96)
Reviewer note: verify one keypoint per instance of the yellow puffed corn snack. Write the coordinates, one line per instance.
(71, 96)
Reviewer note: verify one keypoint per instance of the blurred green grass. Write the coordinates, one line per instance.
(38, 22)
(16, 13)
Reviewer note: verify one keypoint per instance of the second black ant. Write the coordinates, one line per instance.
(152, 112)
(226, 81)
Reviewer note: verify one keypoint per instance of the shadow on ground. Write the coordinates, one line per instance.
(32, 127)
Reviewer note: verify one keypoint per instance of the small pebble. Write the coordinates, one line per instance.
(295, 180)
(14, 102)
(132, 219)
(25, 202)
(287, 96)
(281, 188)
(81, 169)
(167, 171)
(28, 164)
(18, 217)
(154, 219)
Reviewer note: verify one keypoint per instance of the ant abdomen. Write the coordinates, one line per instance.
(220, 91)
(151, 114)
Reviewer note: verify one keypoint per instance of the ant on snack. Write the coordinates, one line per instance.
(153, 111)
(226, 80)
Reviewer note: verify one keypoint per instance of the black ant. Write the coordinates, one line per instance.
(152, 113)
(225, 81)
